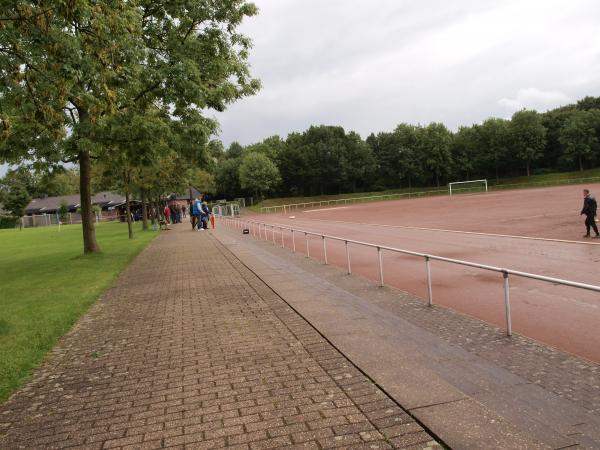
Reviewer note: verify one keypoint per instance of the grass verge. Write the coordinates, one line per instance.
(46, 284)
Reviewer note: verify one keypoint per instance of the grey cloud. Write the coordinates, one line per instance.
(369, 65)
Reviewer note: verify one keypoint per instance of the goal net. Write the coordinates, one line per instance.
(468, 186)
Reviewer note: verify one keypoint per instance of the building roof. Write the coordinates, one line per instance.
(52, 204)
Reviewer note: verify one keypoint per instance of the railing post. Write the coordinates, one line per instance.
(324, 250)
(348, 258)
(282, 241)
(429, 292)
(380, 267)
(507, 303)
(307, 249)
(293, 242)
(273, 232)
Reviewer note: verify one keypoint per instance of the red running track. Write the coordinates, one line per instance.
(535, 230)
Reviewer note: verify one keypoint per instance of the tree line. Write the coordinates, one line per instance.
(328, 160)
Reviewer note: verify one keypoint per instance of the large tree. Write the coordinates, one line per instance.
(494, 141)
(68, 66)
(579, 136)
(15, 197)
(434, 150)
(466, 152)
(258, 174)
(528, 137)
(227, 177)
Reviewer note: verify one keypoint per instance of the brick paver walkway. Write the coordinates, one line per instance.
(184, 353)
(550, 395)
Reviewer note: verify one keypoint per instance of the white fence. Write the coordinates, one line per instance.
(46, 220)
(226, 210)
(345, 201)
(258, 229)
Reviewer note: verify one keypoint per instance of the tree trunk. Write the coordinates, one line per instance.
(528, 171)
(155, 217)
(580, 164)
(497, 173)
(85, 191)
(144, 211)
(159, 210)
(437, 179)
(128, 212)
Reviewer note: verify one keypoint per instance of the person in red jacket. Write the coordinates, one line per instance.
(167, 213)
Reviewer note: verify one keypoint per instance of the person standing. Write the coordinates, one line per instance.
(167, 213)
(205, 215)
(589, 209)
(198, 213)
(192, 215)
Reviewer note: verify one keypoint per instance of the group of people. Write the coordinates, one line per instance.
(199, 214)
(174, 213)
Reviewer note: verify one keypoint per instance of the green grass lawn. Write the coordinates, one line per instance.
(556, 178)
(46, 284)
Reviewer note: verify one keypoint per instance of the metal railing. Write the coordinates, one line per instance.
(492, 187)
(259, 228)
(345, 201)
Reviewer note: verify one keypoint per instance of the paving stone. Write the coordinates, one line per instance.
(189, 349)
(472, 358)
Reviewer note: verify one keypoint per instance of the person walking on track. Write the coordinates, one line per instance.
(589, 209)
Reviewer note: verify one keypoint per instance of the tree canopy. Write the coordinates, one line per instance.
(72, 70)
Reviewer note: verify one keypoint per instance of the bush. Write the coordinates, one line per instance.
(542, 171)
(7, 221)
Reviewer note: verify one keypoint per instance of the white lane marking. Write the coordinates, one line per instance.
(325, 209)
(564, 241)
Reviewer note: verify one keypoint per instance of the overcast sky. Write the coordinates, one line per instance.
(369, 65)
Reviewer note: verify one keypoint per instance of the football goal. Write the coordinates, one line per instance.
(469, 186)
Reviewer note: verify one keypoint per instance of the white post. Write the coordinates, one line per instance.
(348, 258)
(429, 292)
(307, 249)
(293, 242)
(380, 267)
(507, 303)
(282, 241)
(324, 250)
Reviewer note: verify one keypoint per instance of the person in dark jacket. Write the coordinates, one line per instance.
(196, 205)
(205, 215)
(589, 209)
